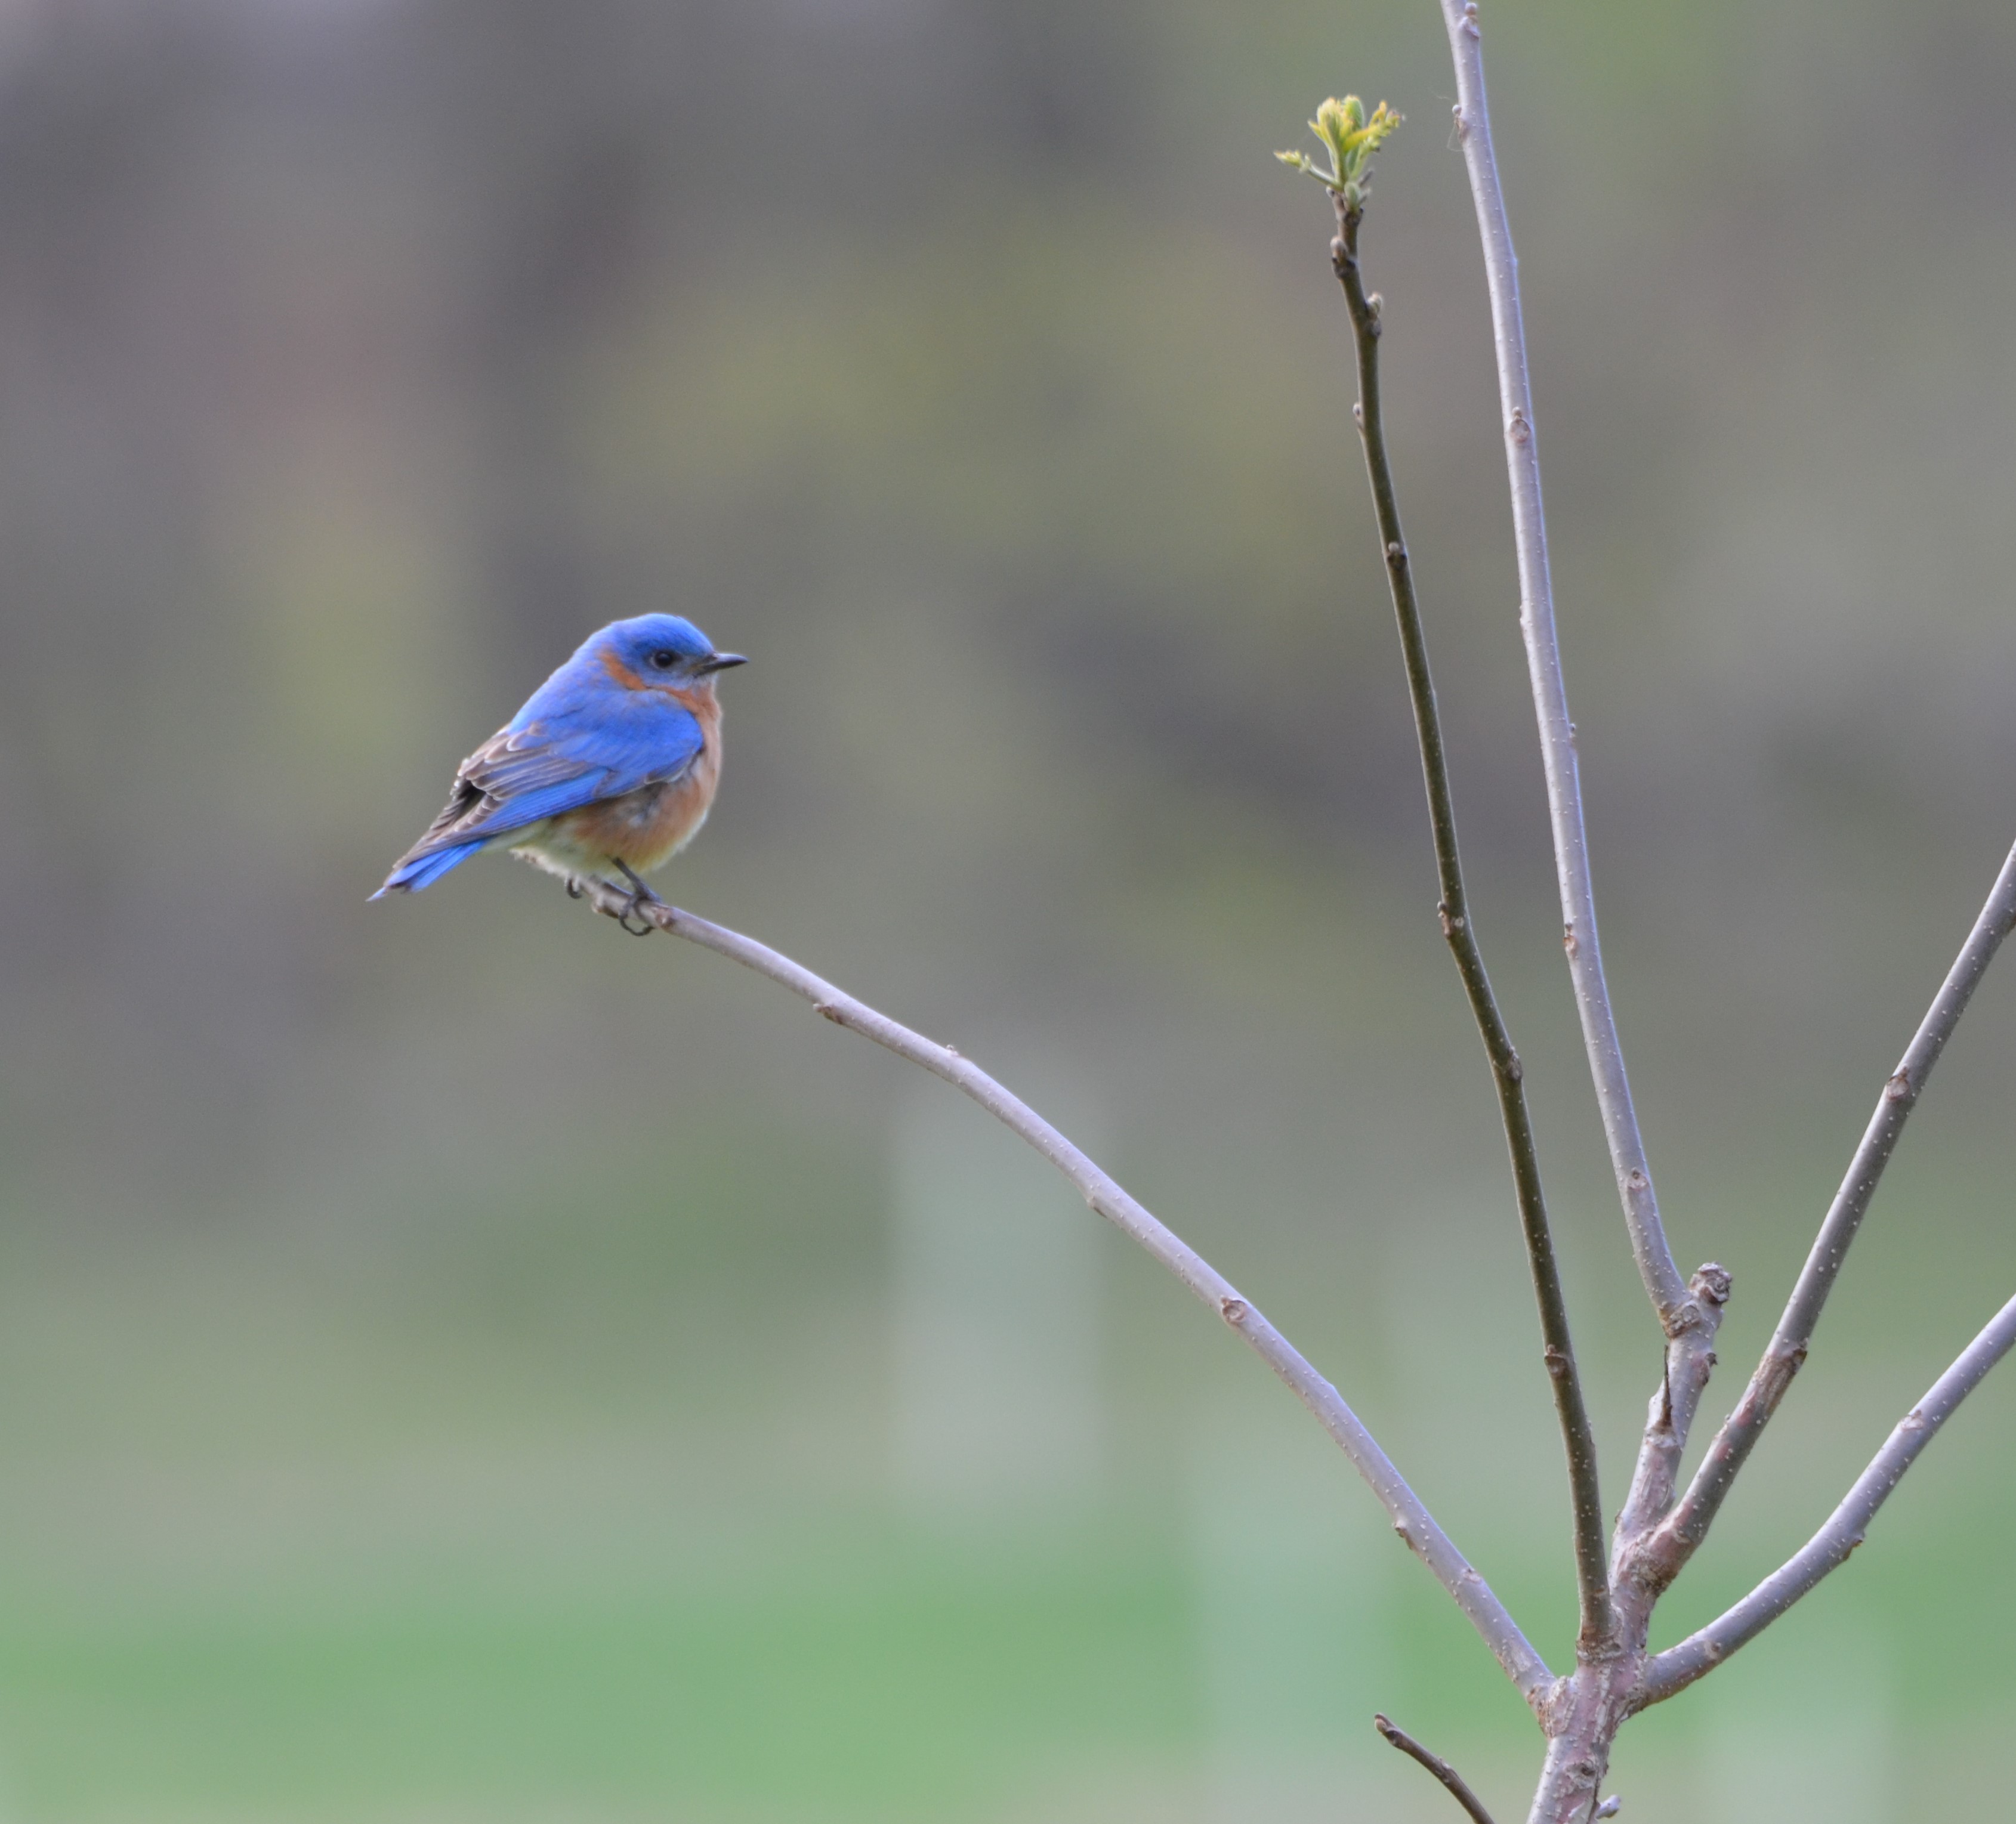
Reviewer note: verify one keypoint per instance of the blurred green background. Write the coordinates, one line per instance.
(458, 1363)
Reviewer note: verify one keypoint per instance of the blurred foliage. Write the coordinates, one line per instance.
(446, 1344)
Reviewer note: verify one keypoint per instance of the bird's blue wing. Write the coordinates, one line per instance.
(548, 767)
(581, 752)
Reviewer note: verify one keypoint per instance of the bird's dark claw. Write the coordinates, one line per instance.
(640, 897)
(640, 894)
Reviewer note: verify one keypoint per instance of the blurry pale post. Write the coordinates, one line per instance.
(996, 1273)
(1290, 1653)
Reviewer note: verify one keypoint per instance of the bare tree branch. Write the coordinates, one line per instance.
(1459, 1787)
(1411, 1521)
(1701, 1653)
(1592, 1568)
(1731, 1446)
(1543, 660)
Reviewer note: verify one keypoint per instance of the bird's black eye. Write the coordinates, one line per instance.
(665, 658)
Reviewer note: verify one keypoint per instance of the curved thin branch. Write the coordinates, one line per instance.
(1731, 1445)
(1411, 1521)
(1543, 661)
(1459, 1787)
(1592, 1569)
(1701, 1653)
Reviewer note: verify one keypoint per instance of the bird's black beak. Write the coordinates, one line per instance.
(720, 662)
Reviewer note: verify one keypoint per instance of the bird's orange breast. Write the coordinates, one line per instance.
(646, 828)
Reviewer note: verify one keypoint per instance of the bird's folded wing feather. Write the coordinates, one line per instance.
(521, 775)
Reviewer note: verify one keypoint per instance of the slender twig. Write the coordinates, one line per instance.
(1592, 1571)
(1786, 1351)
(1411, 1520)
(1679, 1666)
(1459, 1787)
(1543, 659)
(1683, 1379)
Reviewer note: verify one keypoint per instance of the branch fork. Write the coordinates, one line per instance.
(1658, 1528)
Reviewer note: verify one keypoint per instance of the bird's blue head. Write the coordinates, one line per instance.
(662, 649)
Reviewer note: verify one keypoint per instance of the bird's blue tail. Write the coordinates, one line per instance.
(423, 871)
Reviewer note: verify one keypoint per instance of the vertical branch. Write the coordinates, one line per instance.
(1557, 741)
(1592, 1571)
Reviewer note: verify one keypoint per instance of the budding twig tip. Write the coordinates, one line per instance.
(1351, 136)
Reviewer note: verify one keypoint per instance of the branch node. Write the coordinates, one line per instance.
(827, 1010)
(1234, 1310)
(1712, 1283)
(1569, 941)
(1898, 1087)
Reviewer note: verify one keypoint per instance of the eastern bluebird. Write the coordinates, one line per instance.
(611, 765)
